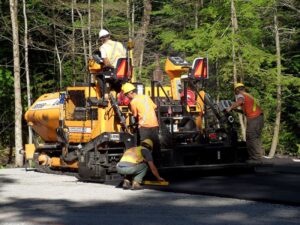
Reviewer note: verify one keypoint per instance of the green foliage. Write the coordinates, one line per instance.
(7, 109)
(172, 31)
(256, 62)
(6, 82)
(294, 63)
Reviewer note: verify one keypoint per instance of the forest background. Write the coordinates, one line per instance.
(252, 41)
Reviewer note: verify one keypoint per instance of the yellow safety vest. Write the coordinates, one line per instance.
(133, 155)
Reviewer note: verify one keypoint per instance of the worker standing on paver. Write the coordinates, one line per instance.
(143, 109)
(134, 163)
(110, 50)
(255, 120)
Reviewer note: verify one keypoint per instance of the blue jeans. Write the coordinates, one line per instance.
(138, 171)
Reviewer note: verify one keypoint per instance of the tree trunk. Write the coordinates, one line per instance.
(234, 24)
(83, 40)
(197, 5)
(141, 37)
(17, 83)
(27, 67)
(73, 41)
(275, 139)
(89, 28)
(58, 58)
(102, 14)
(290, 4)
(128, 17)
(218, 80)
(59, 66)
(132, 18)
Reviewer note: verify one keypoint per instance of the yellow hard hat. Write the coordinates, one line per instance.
(237, 85)
(147, 143)
(128, 87)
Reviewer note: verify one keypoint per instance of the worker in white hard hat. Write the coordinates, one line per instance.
(255, 120)
(110, 50)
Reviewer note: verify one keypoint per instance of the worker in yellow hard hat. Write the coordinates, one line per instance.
(143, 109)
(110, 50)
(237, 85)
(128, 87)
(134, 163)
(255, 120)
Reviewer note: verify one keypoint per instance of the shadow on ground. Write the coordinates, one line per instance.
(152, 209)
(5, 180)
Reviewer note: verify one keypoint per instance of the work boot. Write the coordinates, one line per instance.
(136, 186)
(126, 184)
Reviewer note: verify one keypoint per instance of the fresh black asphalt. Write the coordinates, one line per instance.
(277, 181)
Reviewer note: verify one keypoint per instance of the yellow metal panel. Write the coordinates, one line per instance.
(97, 124)
(73, 165)
(79, 131)
(55, 162)
(43, 116)
(200, 108)
(94, 67)
(29, 151)
(198, 121)
(200, 103)
(174, 71)
(167, 89)
(192, 108)
(160, 183)
(87, 91)
(176, 88)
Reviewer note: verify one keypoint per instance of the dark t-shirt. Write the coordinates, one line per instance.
(147, 154)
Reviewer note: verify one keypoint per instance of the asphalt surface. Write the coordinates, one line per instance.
(273, 181)
(28, 197)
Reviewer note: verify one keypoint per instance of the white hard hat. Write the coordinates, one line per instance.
(103, 33)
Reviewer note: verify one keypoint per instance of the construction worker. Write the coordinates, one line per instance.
(135, 162)
(143, 108)
(255, 120)
(110, 50)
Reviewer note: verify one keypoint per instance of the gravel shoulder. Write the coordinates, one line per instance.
(28, 197)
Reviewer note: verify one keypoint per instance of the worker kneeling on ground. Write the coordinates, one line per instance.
(134, 164)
